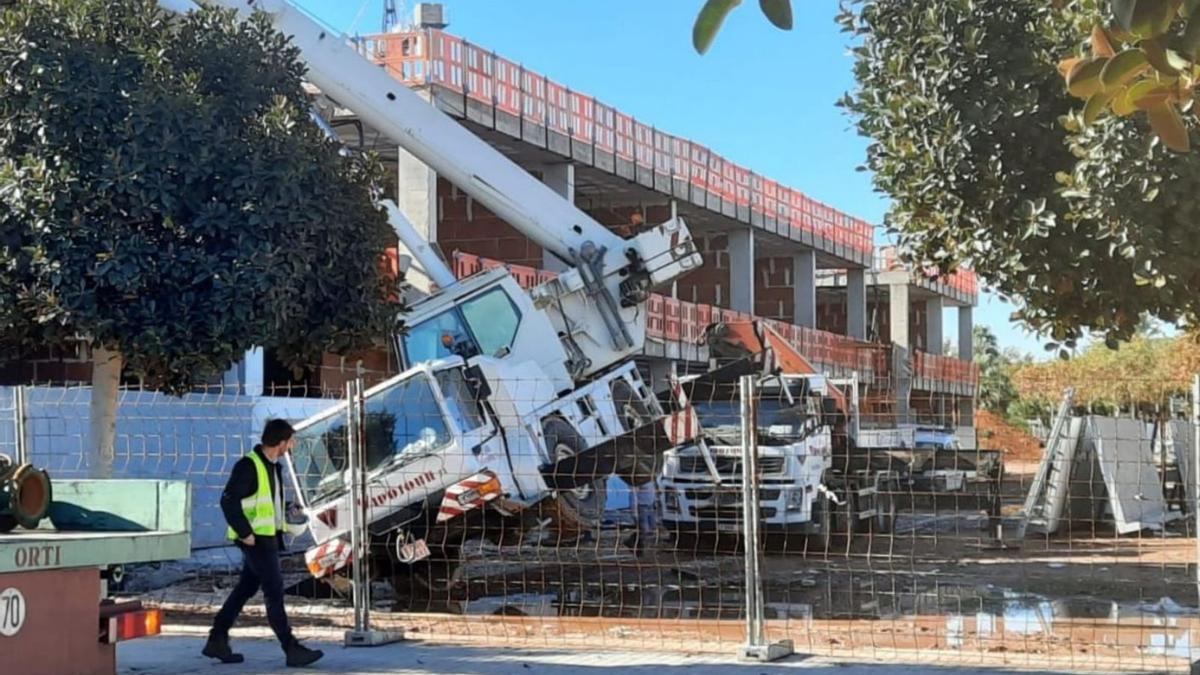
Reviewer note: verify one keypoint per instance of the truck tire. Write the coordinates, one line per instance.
(884, 520)
(822, 540)
(586, 503)
(637, 468)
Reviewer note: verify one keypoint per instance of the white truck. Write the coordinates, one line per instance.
(815, 483)
(823, 473)
(509, 399)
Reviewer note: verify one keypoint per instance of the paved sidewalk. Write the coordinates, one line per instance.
(168, 655)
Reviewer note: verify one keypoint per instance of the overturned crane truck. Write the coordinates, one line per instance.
(509, 399)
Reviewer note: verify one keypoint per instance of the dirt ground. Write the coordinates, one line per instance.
(941, 588)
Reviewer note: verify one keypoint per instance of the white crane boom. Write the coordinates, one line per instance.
(613, 276)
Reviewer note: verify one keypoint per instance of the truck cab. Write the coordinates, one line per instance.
(701, 483)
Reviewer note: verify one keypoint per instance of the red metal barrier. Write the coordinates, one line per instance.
(432, 56)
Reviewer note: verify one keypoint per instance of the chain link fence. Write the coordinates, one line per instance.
(877, 538)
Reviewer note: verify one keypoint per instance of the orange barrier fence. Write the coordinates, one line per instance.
(436, 57)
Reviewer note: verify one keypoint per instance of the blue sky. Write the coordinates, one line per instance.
(761, 97)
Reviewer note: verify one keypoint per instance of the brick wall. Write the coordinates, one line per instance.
(50, 366)
(465, 225)
(774, 295)
(709, 283)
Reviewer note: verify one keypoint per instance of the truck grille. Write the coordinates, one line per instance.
(729, 514)
(729, 466)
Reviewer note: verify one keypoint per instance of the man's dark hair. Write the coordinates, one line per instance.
(277, 431)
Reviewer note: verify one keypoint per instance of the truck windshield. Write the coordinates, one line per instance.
(484, 324)
(775, 417)
(403, 420)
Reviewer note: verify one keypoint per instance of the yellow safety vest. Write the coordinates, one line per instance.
(264, 512)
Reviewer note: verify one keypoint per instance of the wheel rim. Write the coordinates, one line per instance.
(581, 493)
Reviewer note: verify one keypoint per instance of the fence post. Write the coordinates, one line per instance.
(756, 648)
(1195, 492)
(20, 417)
(362, 635)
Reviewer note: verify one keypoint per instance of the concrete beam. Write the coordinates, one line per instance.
(933, 326)
(559, 177)
(966, 330)
(804, 288)
(856, 303)
(741, 270)
(898, 315)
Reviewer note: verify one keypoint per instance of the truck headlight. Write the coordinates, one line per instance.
(670, 501)
(795, 500)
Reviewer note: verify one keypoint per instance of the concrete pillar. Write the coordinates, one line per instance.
(804, 288)
(898, 314)
(966, 331)
(661, 372)
(933, 326)
(559, 177)
(741, 270)
(416, 197)
(856, 303)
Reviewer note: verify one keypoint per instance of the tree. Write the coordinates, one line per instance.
(1144, 372)
(1089, 228)
(1141, 60)
(165, 197)
(714, 13)
(996, 392)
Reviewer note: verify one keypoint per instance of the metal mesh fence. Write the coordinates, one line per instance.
(884, 531)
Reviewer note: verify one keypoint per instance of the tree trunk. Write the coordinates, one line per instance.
(106, 382)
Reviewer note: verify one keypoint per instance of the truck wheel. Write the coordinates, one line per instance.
(822, 540)
(844, 516)
(585, 503)
(426, 585)
(638, 468)
(884, 520)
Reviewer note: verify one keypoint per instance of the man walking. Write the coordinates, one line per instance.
(253, 506)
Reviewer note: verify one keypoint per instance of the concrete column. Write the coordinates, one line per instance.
(856, 303)
(661, 372)
(966, 330)
(804, 288)
(898, 314)
(741, 270)
(559, 177)
(933, 326)
(416, 197)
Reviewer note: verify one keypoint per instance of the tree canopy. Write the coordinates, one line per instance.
(972, 135)
(164, 194)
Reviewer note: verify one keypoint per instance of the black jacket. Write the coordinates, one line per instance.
(243, 482)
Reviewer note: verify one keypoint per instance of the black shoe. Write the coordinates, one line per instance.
(217, 647)
(299, 656)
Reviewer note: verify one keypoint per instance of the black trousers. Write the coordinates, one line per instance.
(260, 569)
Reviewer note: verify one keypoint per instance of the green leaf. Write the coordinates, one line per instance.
(1156, 54)
(1084, 79)
(778, 12)
(709, 21)
(1147, 94)
(1123, 67)
(1097, 104)
(1167, 124)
